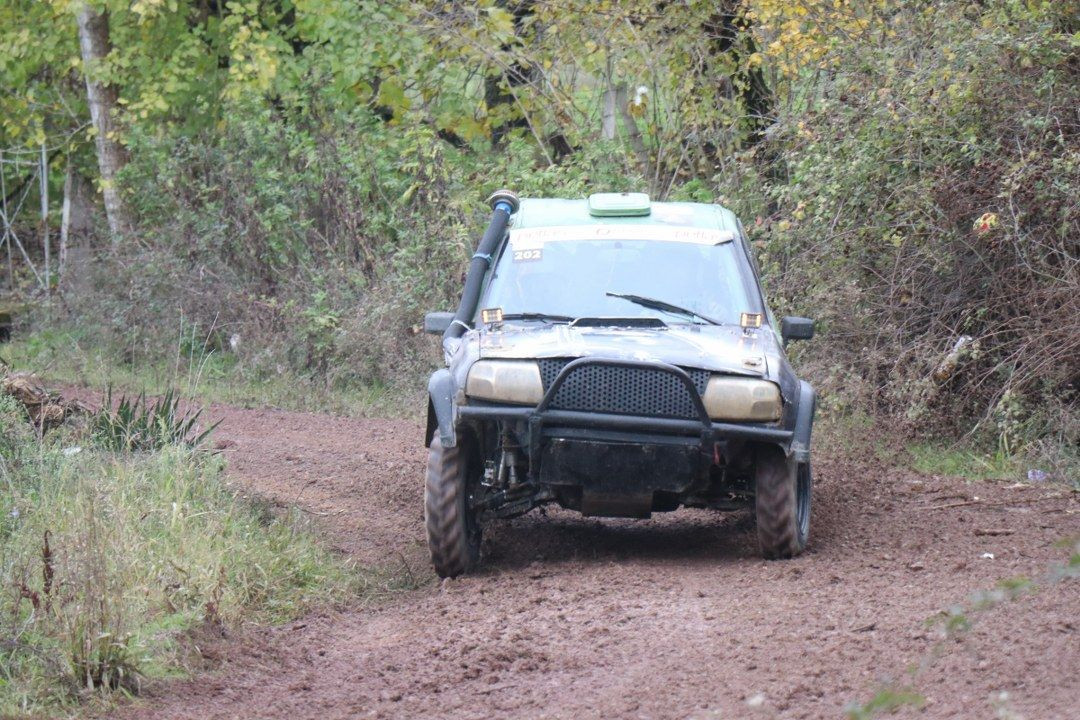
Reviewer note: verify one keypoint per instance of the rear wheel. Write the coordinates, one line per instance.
(452, 530)
(781, 503)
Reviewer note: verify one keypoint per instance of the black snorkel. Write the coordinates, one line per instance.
(503, 204)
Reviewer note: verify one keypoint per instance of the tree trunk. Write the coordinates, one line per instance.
(616, 105)
(94, 44)
(631, 128)
(729, 33)
(607, 114)
(76, 229)
(499, 99)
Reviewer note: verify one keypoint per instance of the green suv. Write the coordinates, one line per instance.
(615, 356)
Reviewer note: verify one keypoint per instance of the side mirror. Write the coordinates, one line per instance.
(435, 323)
(796, 328)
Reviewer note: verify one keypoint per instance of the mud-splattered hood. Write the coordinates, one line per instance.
(719, 348)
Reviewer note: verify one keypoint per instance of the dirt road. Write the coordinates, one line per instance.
(675, 617)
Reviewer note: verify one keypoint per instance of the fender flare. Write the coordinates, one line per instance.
(440, 414)
(804, 422)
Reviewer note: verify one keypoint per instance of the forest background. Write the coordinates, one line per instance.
(266, 195)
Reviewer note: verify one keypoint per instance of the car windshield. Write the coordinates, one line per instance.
(566, 277)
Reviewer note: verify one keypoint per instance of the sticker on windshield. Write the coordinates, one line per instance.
(528, 255)
(536, 237)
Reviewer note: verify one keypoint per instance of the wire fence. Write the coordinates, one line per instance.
(21, 169)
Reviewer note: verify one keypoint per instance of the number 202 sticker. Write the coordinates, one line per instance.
(529, 255)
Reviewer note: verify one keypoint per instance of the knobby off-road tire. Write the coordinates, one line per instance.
(781, 504)
(452, 530)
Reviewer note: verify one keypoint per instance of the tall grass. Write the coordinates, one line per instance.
(75, 355)
(108, 560)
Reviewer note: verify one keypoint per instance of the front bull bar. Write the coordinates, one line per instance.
(541, 416)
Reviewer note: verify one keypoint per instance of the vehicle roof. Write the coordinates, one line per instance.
(554, 212)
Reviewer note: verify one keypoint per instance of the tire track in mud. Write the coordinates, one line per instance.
(676, 617)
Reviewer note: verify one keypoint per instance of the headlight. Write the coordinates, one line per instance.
(742, 399)
(511, 381)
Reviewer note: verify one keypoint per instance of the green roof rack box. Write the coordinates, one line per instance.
(619, 204)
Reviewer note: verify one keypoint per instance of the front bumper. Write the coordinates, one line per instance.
(605, 463)
(543, 416)
(544, 420)
(541, 420)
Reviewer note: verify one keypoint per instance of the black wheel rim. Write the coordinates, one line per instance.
(473, 493)
(803, 481)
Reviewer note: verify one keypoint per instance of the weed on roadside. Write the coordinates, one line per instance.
(109, 559)
(955, 622)
(963, 462)
(138, 424)
(69, 355)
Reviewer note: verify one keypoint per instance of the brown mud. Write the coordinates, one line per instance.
(675, 617)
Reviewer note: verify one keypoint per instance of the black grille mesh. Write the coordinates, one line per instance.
(622, 390)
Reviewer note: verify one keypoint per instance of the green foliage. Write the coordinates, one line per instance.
(15, 432)
(962, 461)
(36, 47)
(307, 183)
(140, 425)
(920, 191)
(81, 356)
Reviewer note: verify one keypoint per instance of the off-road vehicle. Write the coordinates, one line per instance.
(617, 357)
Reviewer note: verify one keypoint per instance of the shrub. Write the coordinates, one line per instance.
(925, 193)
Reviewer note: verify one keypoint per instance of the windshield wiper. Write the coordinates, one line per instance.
(537, 316)
(663, 306)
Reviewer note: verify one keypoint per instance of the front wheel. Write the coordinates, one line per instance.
(781, 503)
(452, 529)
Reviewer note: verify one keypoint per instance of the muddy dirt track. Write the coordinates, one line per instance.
(675, 617)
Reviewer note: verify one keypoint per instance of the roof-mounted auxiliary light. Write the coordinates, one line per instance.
(619, 204)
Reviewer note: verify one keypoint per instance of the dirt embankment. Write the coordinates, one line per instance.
(676, 617)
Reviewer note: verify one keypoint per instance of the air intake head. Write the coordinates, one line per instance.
(506, 198)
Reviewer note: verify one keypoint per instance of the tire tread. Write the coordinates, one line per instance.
(776, 505)
(452, 550)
